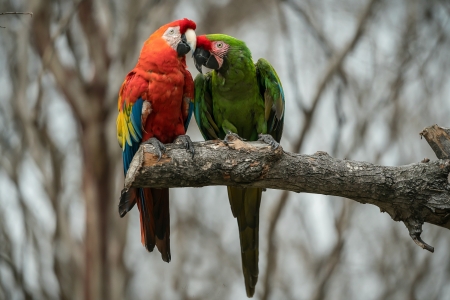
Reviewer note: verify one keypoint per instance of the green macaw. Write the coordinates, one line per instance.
(238, 97)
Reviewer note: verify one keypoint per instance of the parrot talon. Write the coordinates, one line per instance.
(268, 139)
(187, 143)
(231, 136)
(159, 147)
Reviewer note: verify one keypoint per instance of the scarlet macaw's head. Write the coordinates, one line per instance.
(179, 35)
(212, 50)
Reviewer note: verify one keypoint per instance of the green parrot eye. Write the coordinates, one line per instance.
(219, 45)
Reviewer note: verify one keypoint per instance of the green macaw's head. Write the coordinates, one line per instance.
(212, 50)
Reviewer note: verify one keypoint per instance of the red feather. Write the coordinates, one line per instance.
(161, 78)
(203, 42)
(186, 24)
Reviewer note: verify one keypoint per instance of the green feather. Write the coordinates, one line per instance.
(246, 99)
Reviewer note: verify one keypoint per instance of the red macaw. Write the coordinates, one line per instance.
(155, 107)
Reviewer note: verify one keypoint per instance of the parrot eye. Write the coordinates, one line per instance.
(219, 45)
(170, 32)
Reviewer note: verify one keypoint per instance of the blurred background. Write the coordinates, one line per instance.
(361, 79)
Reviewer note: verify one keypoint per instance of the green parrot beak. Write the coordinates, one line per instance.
(203, 57)
(200, 58)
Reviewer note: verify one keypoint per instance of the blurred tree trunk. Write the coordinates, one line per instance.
(90, 108)
(97, 182)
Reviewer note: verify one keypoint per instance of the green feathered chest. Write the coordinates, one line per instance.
(237, 100)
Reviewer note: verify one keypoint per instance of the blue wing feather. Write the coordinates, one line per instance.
(189, 116)
(128, 154)
(136, 122)
(135, 117)
(197, 110)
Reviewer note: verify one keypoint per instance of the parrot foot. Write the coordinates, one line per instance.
(160, 148)
(186, 141)
(268, 139)
(231, 136)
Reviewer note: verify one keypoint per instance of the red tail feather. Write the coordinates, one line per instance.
(155, 221)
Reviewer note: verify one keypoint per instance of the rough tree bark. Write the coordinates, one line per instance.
(413, 194)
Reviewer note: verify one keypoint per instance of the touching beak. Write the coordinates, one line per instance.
(204, 58)
(201, 56)
(191, 39)
(188, 42)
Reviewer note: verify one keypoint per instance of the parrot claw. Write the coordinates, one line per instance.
(188, 145)
(268, 139)
(160, 148)
(230, 137)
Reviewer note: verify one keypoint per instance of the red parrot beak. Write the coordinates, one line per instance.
(187, 43)
(183, 48)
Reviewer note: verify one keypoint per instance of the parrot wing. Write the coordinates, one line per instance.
(133, 111)
(130, 129)
(203, 107)
(188, 109)
(187, 106)
(272, 92)
(129, 120)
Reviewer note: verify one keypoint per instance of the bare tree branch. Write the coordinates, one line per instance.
(333, 66)
(414, 193)
(75, 92)
(15, 13)
(439, 140)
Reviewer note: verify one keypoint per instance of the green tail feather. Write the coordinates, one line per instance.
(245, 205)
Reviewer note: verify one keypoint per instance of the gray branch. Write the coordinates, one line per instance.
(413, 194)
(439, 140)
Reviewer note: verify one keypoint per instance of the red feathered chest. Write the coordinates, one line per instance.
(169, 83)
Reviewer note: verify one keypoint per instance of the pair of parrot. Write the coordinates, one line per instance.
(156, 102)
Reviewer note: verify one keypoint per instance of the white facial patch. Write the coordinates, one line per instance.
(220, 49)
(172, 36)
